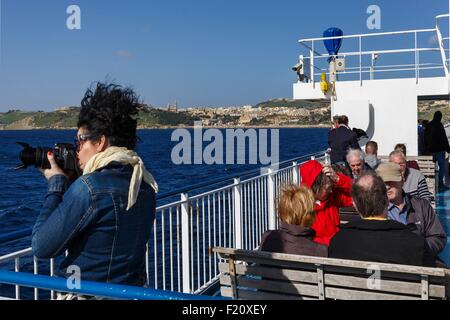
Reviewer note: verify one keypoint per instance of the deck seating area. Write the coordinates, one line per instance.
(429, 170)
(259, 275)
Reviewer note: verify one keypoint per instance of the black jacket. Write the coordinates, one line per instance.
(435, 137)
(340, 140)
(292, 239)
(422, 220)
(384, 241)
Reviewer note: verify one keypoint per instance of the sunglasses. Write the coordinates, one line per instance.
(82, 138)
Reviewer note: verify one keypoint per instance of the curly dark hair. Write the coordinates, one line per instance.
(109, 110)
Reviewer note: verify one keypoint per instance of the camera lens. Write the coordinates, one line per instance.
(34, 156)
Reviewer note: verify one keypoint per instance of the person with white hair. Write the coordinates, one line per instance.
(356, 163)
(415, 183)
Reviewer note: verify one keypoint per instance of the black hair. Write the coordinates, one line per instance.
(437, 116)
(109, 110)
(343, 120)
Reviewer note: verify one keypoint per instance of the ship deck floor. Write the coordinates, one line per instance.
(443, 210)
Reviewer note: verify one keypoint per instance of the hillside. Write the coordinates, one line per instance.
(278, 112)
(289, 103)
(66, 118)
(428, 108)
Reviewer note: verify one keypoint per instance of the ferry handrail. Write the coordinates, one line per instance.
(367, 53)
(90, 288)
(23, 233)
(231, 177)
(15, 255)
(356, 36)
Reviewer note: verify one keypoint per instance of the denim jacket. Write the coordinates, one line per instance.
(90, 220)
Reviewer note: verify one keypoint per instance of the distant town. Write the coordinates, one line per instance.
(273, 113)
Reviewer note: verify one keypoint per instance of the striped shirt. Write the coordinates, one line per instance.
(416, 185)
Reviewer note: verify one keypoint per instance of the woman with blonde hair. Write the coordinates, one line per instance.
(295, 236)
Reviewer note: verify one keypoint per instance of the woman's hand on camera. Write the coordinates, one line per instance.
(54, 170)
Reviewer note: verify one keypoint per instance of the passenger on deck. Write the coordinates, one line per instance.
(416, 213)
(341, 140)
(295, 236)
(409, 163)
(415, 183)
(105, 217)
(331, 191)
(437, 144)
(335, 122)
(356, 163)
(374, 237)
(371, 157)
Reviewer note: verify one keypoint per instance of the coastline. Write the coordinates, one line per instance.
(319, 126)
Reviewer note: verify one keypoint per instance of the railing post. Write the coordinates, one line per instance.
(415, 58)
(185, 243)
(17, 269)
(442, 48)
(311, 60)
(360, 61)
(271, 199)
(295, 174)
(237, 188)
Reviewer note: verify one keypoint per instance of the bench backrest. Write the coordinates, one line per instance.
(257, 275)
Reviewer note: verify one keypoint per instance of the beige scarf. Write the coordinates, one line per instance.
(125, 157)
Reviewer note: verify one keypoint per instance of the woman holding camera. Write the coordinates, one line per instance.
(104, 218)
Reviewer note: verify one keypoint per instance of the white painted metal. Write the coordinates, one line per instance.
(295, 173)
(155, 254)
(271, 199)
(36, 271)
(237, 188)
(52, 274)
(257, 199)
(365, 35)
(185, 243)
(163, 259)
(17, 269)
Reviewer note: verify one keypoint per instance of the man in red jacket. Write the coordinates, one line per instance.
(331, 191)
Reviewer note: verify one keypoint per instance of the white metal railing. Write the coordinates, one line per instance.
(179, 256)
(360, 69)
(234, 215)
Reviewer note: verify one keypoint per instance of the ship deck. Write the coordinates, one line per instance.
(443, 210)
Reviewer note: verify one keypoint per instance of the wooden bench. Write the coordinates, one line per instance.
(427, 167)
(257, 275)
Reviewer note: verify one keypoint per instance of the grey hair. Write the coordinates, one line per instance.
(398, 153)
(355, 153)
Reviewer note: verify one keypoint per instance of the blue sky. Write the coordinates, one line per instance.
(198, 52)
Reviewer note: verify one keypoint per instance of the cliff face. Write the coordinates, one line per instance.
(22, 124)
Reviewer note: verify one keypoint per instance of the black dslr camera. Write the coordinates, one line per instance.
(65, 155)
